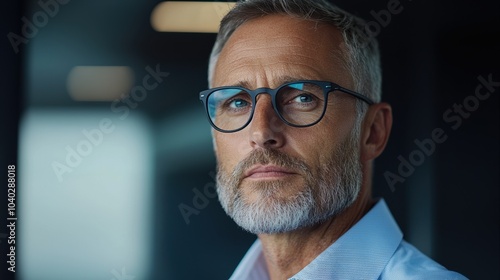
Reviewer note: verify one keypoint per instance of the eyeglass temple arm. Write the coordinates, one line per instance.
(360, 96)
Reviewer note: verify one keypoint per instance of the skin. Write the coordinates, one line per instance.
(267, 52)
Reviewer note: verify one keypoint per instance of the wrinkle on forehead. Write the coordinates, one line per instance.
(275, 46)
(280, 74)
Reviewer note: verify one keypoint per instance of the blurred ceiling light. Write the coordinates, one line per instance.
(100, 83)
(203, 17)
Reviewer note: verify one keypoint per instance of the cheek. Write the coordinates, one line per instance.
(311, 144)
(317, 143)
(228, 150)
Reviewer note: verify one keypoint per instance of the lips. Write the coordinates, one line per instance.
(267, 171)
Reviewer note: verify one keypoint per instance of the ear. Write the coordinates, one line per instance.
(375, 130)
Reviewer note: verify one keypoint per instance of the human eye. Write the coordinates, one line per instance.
(304, 98)
(300, 96)
(237, 103)
(301, 100)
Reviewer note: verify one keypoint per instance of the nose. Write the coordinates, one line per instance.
(266, 128)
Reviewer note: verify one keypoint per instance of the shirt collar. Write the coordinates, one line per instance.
(360, 253)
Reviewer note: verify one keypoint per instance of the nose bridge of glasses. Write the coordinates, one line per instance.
(264, 106)
(264, 97)
(266, 120)
(260, 91)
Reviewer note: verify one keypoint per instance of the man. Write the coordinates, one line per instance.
(295, 107)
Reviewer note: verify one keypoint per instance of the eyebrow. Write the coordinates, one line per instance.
(282, 80)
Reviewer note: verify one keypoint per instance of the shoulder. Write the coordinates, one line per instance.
(409, 263)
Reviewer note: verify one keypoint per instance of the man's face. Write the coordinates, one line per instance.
(273, 177)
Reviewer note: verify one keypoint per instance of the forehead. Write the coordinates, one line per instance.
(276, 48)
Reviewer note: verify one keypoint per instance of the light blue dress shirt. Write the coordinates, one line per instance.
(373, 249)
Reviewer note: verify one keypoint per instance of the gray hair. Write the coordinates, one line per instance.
(359, 49)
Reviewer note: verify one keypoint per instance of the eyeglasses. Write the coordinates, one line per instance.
(298, 104)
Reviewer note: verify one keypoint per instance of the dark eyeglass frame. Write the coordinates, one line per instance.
(326, 86)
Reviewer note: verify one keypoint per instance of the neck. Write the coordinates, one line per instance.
(288, 253)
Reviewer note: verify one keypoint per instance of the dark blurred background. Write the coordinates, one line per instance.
(117, 211)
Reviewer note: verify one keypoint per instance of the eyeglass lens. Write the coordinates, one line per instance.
(300, 104)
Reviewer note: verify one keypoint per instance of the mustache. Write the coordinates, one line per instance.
(269, 156)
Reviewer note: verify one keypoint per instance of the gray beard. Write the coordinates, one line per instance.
(327, 191)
